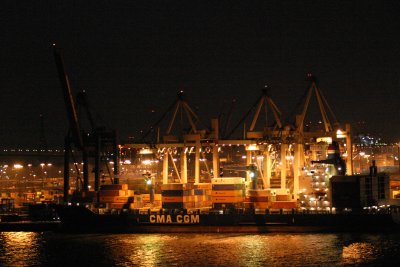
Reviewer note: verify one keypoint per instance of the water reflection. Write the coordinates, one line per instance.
(52, 249)
(20, 248)
(359, 252)
(144, 250)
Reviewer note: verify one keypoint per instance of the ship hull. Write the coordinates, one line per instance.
(80, 219)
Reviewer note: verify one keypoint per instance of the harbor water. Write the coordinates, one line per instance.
(338, 249)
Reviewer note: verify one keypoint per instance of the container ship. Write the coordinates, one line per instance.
(221, 206)
(336, 202)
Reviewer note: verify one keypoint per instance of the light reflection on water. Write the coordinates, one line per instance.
(54, 249)
(20, 248)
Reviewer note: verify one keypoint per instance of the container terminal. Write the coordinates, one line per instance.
(278, 174)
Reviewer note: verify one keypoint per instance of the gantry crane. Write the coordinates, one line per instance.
(275, 135)
(331, 129)
(179, 142)
(97, 143)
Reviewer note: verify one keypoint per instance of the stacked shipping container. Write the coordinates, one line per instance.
(228, 192)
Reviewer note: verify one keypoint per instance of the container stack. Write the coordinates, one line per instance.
(283, 200)
(259, 198)
(228, 192)
(177, 196)
(146, 200)
(116, 196)
(202, 195)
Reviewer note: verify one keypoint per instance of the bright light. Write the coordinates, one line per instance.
(127, 161)
(146, 162)
(145, 151)
(42, 164)
(251, 174)
(252, 147)
(18, 166)
(148, 182)
(340, 134)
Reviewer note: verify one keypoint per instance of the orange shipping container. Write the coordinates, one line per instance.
(261, 205)
(178, 199)
(227, 193)
(282, 198)
(203, 186)
(146, 197)
(258, 199)
(283, 204)
(116, 199)
(125, 187)
(225, 199)
(200, 198)
(259, 193)
(394, 183)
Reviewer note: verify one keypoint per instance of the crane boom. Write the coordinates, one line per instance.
(69, 100)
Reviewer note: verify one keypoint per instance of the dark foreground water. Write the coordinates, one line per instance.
(55, 249)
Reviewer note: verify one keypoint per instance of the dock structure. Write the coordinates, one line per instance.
(280, 152)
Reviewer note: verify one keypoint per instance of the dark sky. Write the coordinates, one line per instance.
(132, 57)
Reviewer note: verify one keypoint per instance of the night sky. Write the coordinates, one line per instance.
(132, 57)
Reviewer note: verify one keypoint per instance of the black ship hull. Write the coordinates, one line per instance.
(80, 219)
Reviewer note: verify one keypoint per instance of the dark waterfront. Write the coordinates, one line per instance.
(54, 249)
